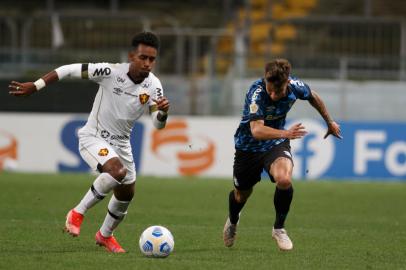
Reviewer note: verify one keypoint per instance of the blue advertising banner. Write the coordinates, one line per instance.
(368, 150)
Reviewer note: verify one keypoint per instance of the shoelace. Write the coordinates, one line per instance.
(231, 230)
(76, 219)
(283, 235)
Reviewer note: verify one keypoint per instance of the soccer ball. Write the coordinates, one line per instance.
(156, 241)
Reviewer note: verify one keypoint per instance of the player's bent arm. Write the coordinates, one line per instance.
(261, 132)
(319, 105)
(158, 117)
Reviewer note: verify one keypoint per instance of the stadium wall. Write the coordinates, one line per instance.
(203, 146)
(346, 100)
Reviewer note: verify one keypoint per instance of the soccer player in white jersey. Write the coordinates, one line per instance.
(125, 91)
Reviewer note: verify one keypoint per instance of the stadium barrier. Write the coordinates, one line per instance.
(203, 146)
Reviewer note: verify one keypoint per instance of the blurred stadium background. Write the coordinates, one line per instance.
(204, 59)
(353, 52)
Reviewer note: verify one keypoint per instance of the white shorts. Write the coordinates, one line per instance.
(95, 151)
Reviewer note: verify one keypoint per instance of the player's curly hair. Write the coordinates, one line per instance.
(277, 72)
(146, 38)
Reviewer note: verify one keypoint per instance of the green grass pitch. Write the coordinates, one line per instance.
(334, 225)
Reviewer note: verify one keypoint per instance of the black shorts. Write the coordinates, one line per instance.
(248, 166)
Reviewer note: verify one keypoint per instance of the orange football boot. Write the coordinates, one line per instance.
(110, 243)
(73, 222)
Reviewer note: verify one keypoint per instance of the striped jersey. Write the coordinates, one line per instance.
(258, 105)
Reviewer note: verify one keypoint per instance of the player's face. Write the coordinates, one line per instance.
(142, 60)
(275, 93)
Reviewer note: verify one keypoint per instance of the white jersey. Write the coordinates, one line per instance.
(119, 101)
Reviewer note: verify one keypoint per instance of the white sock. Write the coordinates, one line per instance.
(116, 213)
(103, 184)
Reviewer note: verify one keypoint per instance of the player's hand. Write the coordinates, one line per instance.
(334, 129)
(297, 131)
(162, 104)
(21, 89)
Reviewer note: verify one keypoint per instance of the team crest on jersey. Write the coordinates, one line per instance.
(143, 98)
(253, 108)
(103, 152)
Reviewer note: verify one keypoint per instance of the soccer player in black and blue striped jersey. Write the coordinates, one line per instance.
(262, 143)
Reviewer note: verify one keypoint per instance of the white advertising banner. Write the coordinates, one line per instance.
(204, 146)
(187, 146)
(190, 146)
(37, 145)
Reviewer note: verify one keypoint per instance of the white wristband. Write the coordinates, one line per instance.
(39, 84)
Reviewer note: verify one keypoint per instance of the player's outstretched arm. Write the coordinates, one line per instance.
(332, 127)
(29, 88)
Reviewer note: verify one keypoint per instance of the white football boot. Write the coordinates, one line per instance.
(282, 239)
(229, 233)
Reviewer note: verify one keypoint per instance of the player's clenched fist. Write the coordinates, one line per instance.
(162, 104)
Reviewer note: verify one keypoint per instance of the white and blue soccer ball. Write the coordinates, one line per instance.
(156, 241)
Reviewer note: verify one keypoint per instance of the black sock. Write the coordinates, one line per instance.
(234, 208)
(282, 199)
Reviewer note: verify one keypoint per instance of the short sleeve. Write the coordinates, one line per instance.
(301, 89)
(97, 72)
(255, 104)
(158, 91)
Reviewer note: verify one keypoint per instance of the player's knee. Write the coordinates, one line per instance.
(242, 196)
(116, 170)
(120, 173)
(283, 182)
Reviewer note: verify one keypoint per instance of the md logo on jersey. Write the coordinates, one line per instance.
(313, 155)
(101, 72)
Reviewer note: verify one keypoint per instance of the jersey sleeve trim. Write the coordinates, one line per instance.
(85, 71)
(254, 117)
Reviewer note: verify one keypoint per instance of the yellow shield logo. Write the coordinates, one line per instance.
(103, 152)
(144, 98)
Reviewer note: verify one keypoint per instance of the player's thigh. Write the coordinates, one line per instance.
(278, 162)
(96, 152)
(281, 170)
(247, 169)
